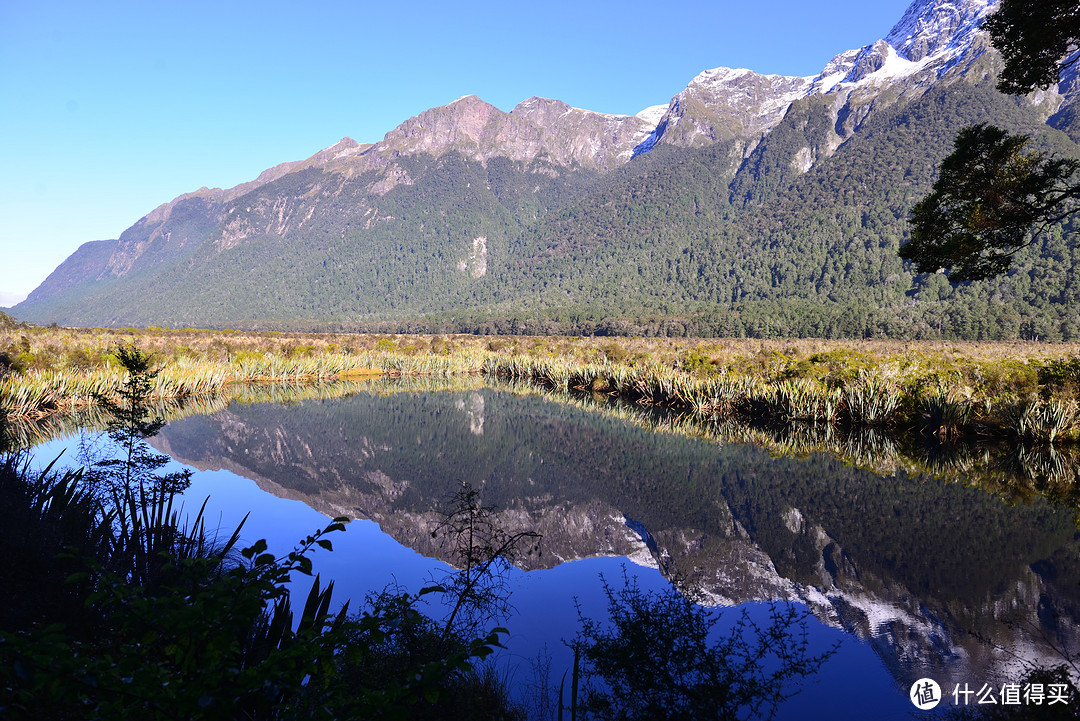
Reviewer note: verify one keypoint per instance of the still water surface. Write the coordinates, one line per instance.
(912, 576)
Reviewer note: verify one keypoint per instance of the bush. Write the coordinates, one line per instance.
(614, 352)
(1060, 376)
(695, 360)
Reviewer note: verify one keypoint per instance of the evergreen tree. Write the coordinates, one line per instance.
(992, 199)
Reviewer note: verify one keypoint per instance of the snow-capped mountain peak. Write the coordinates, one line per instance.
(930, 27)
(932, 38)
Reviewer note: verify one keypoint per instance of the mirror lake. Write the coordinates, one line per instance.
(911, 575)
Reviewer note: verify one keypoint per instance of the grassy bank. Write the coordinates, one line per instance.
(943, 389)
(47, 370)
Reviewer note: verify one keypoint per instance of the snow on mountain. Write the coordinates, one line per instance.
(932, 27)
(653, 114)
(933, 36)
(932, 33)
(726, 103)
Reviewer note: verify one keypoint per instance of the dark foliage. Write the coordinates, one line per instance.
(480, 549)
(661, 658)
(1034, 37)
(134, 475)
(990, 201)
(43, 516)
(113, 606)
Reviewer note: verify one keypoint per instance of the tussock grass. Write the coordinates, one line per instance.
(949, 390)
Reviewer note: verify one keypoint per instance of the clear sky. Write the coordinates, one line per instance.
(109, 109)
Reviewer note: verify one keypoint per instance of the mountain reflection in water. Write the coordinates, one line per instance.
(942, 580)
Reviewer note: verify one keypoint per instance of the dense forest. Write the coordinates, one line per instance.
(798, 238)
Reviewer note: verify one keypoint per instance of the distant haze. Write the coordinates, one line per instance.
(9, 299)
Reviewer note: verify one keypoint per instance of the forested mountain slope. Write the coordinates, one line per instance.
(753, 205)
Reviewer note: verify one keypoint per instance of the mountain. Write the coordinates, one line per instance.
(749, 204)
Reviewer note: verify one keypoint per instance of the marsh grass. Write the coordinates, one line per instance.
(1014, 470)
(1013, 464)
(1013, 467)
(872, 400)
(1040, 421)
(944, 414)
(28, 431)
(1023, 391)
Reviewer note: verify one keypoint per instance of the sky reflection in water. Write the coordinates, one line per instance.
(855, 683)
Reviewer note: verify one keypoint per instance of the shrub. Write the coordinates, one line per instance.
(695, 360)
(1060, 376)
(614, 352)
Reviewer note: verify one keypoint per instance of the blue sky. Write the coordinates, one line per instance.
(109, 109)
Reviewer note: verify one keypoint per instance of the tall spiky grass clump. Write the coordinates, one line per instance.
(1041, 421)
(944, 414)
(802, 399)
(872, 401)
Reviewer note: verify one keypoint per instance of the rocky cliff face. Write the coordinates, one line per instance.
(938, 28)
(725, 104)
(537, 127)
(933, 38)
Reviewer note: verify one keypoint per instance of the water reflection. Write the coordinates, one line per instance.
(943, 578)
(923, 569)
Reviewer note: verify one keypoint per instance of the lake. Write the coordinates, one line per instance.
(912, 576)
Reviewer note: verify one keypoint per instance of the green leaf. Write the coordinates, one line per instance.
(258, 547)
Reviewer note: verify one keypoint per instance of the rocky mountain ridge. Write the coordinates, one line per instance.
(933, 37)
(718, 104)
(467, 211)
